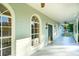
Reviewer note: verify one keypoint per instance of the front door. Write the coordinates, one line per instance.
(50, 36)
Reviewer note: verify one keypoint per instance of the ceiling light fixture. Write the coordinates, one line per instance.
(42, 5)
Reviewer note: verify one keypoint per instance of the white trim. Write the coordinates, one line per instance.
(13, 28)
(77, 29)
(6, 37)
(23, 47)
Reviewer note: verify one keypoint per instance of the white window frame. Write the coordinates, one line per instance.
(13, 41)
(40, 30)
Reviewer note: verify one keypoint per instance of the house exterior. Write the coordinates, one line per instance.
(27, 30)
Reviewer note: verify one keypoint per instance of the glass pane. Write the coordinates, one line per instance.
(0, 20)
(36, 25)
(33, 36)
(0, 43)
(6, 42)
(6, 51)
(2, 8)
(0, 52)
(36, 30)
(35, 19)
(0, 26)
(33, 26)
(6, 31)
(0, 31)
(37, 36)
(9, 21)
(7, 13)
(6, 21)
(33, 31)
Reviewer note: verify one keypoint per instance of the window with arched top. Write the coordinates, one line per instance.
(5, 31)
(35, 31)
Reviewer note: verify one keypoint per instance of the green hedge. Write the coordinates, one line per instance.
(70, 27)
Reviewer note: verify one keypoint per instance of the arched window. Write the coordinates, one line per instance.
(35, 31)
(5, 31)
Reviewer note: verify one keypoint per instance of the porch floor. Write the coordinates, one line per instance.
(58, 51)
(62, 46)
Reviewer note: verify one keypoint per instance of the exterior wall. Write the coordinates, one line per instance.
(23, 14)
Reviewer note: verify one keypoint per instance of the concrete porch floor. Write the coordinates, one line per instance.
(62, 46)
(72, 50)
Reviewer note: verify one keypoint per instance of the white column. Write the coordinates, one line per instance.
(76, 29)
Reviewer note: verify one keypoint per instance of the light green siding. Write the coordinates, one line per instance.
(23, 12)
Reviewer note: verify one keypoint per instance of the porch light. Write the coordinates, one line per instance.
(42, 5)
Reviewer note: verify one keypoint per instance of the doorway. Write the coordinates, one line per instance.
(50, 35)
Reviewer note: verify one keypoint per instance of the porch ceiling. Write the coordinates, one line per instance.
(59, 12)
